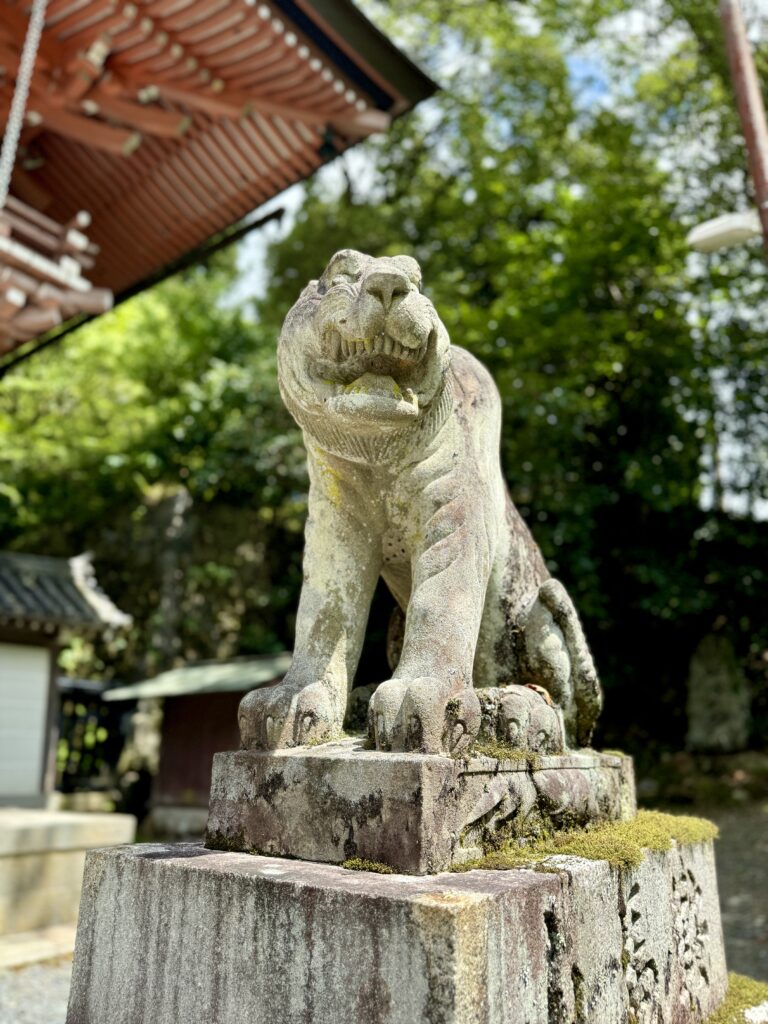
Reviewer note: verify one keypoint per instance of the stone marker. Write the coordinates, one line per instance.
(474, 741)
(718, 698)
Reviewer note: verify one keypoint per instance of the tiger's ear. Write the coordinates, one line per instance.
(309, 291)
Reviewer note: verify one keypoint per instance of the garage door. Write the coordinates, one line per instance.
(24, 676)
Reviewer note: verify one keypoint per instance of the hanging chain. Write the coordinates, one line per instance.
(20, 94)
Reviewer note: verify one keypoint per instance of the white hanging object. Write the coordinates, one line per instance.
(20, 95)
(724, 231)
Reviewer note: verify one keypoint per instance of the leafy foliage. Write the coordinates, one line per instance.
(157, 438)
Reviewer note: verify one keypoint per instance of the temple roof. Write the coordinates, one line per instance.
(45, 594)
(169, 120)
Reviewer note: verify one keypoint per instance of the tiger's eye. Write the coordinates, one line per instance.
(345, 277)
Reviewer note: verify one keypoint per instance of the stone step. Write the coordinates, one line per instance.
(24, 948)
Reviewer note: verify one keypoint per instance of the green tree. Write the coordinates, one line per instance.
(551, 232)
(155, 437)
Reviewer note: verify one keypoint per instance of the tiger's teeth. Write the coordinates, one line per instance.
(368, 344)
(386, 346)
(344, 348)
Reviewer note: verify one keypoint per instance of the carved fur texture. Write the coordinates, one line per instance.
(402, 433)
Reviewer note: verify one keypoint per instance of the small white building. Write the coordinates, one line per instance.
(40, 598)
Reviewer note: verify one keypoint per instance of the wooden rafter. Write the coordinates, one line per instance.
(171, 119)
(41, 273)
(146, 118)
(86, 130)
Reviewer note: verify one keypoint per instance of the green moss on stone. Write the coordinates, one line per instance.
(621, 843)
(503, 752)
(361, 864)
(227, 844)
(743, 994)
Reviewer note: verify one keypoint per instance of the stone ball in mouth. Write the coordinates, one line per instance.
(374, 396)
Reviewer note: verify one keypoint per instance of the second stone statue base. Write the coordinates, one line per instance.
(416, 813)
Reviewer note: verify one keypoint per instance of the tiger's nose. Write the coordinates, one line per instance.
(386, 285)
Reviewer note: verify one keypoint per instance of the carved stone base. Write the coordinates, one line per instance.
(178, 933)
(417, 813)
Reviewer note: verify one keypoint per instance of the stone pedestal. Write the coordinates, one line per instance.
(415, 813)
(179, 933)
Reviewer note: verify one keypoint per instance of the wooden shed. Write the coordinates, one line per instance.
(39, 599)
(199, 719)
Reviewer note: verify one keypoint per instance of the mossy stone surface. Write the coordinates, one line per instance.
(743, 994)
(621, 843)
(503, 752)
(361, 864)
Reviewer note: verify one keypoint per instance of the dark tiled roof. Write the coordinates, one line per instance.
(45, 593)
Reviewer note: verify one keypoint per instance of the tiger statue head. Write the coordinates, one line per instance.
(363, 349)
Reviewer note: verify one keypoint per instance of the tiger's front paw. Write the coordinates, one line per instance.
(289, 715)
(384, 718)
(437, 719)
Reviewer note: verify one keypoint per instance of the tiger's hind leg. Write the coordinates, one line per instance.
(557, 657)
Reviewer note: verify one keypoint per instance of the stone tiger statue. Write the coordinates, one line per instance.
(402, 433)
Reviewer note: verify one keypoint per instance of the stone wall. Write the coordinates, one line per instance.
(42, 854)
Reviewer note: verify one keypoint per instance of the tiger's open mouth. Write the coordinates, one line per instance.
(382, 344)
(346, 360)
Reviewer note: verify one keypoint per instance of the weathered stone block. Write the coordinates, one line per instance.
(178, 933)
(417, 813)
(672, 936)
